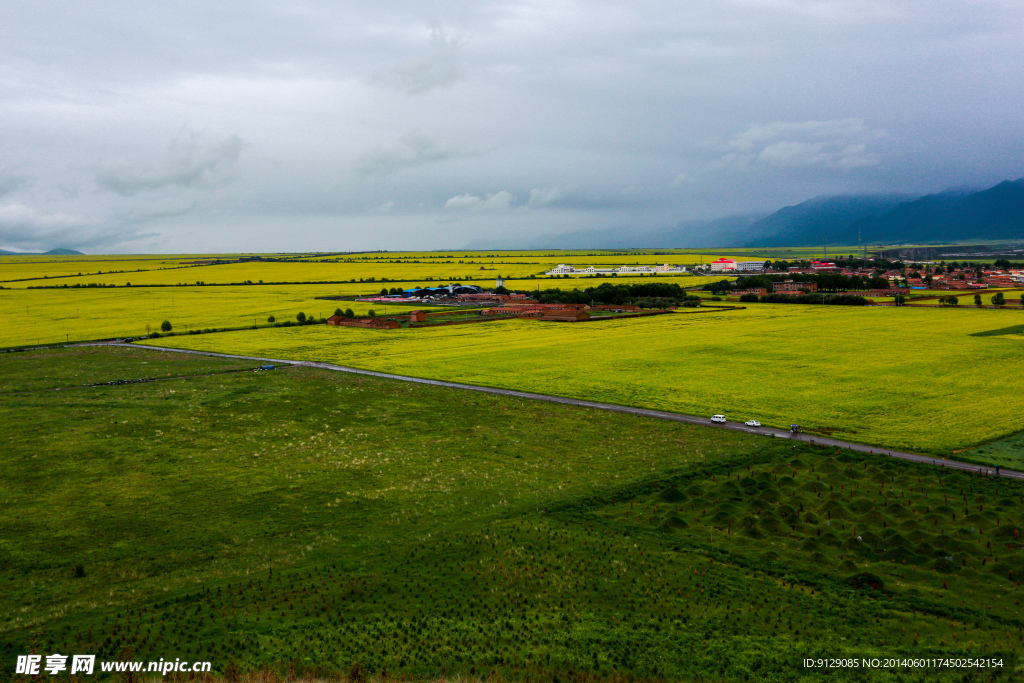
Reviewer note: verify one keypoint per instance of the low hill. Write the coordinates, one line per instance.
(52, 252)
(819, 219)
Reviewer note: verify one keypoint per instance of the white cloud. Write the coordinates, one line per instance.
(544, 196)
(500, 202)
(462, 202)
(439, 68)
(840, 143)
(189, 162)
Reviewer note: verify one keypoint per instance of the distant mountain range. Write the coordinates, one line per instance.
(52, 252)
(951, 216)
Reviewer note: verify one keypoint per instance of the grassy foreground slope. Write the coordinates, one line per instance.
(320, 521)
(933, 380)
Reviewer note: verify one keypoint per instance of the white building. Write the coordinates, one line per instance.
(723, 265)
(563, 269)
(750, 266)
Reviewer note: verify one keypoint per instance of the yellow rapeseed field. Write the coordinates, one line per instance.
(52, 315)
(926, 379)
(412, 268)
(14, 269)
(42, 316)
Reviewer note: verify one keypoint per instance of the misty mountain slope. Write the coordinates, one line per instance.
(909, 220)
(820, 218)
(993, 214)
(696, 234)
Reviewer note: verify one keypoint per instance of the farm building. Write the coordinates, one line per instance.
(618, 308)
(367, 323)
(790, 286)
(514, 311)
(565, 315)
(417, 317)
(531, 310)
(560, 312)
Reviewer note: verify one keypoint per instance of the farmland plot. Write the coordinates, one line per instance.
(908, 378)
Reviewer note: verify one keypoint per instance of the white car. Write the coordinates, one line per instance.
(718, 418)
(752, 423)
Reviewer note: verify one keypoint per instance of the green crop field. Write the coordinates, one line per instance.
(927, 379)
(321, 524)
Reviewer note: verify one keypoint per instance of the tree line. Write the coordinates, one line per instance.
(659, 294)
(827, 282)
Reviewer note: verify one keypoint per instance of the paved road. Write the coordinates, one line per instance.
(659, 414)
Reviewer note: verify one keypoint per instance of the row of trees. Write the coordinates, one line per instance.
(828, 300)
(608, 293)
(998, 299)
(827, 282)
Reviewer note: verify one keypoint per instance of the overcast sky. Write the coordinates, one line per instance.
(258, 126)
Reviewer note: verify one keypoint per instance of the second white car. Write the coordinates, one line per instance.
(752, 423)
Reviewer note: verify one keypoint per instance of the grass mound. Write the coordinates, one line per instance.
(866, 580)
(672, 495)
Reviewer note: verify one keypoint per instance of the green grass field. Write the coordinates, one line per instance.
(930, 380)
(312, 522)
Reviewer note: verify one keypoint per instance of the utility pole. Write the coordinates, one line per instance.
(825, 242)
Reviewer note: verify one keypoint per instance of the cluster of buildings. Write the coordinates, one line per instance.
(788, 287)
(968, 279)
(538, 311)
(366, 323)
(449, 292)
(728, 265)
(564, 269)
(928, 276)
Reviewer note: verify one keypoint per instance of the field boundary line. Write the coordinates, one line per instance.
(611, 407)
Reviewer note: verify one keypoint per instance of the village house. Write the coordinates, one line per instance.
(617, 308)
(567, 315)
(367, 323)
(790, 286)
